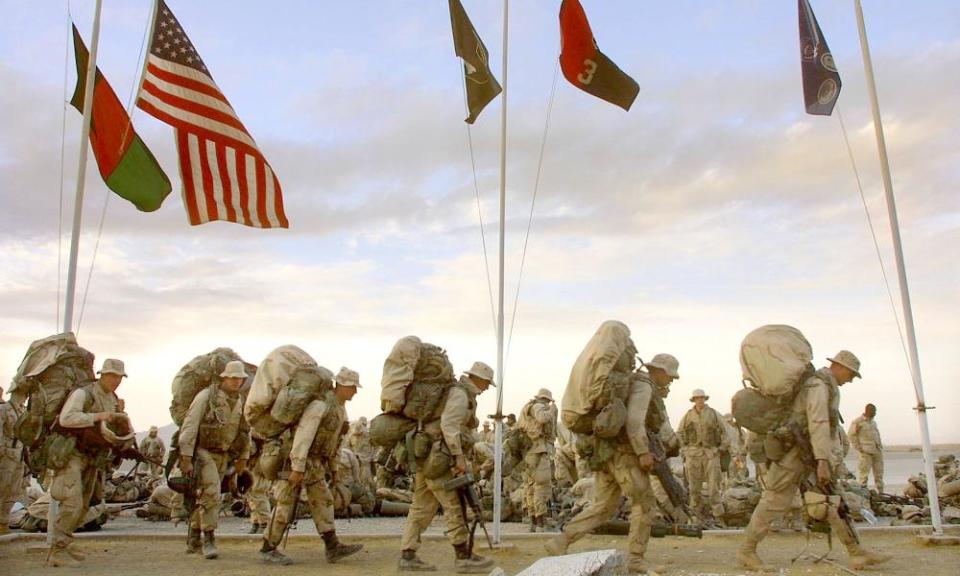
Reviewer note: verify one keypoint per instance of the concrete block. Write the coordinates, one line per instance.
(595, 563)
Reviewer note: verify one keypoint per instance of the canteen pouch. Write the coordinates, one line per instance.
(59, 448)
(602, 452)
(273, 457)
(438, 463)
(421, 445)
(611, 419)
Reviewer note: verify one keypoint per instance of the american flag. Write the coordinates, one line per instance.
(224, 174)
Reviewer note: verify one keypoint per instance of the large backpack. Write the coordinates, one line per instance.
(416, 378)
(598, 379)
(287, 380)
(51, 369)
(776, 360)
(197, 374)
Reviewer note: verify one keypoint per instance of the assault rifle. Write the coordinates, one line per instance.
(661, 469)
(464, 485)
(801, 440)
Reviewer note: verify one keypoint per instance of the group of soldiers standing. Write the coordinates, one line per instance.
(215, 436)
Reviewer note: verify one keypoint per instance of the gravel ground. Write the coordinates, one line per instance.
(711, 556)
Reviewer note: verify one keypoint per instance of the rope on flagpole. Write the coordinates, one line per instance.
(533, 202)
(141, 61)
(876, 243)
(476, 190)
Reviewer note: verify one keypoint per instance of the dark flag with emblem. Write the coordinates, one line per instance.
(585, 66)
(126, 164)
(482, 87)
(821, 81)
(224, 174)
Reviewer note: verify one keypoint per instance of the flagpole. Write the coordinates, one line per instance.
(54, 508)
(498, 448)
(146, 57)
(81, 173)
(921, 407)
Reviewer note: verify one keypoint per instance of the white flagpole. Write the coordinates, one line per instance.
(921, 407)
(54, 509)
(498, 448)
(81, 173)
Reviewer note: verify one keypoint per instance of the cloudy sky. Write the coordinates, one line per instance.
(715, 205)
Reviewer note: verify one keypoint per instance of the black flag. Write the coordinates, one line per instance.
(482, 87)
(585, 66)
(821, 82)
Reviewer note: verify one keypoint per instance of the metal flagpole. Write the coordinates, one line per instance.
(498, 448)
(921, 407)
(54, 509)
(81, 172)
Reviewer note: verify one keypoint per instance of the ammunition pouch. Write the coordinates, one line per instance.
(422, 444)
(777, 443)
(28, 428)
(56, 451)
(273, 456)
(438, 463)
(610, 421)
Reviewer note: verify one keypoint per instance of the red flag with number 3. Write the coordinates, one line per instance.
(585, 66)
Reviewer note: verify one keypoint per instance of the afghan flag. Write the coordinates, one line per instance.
(482, 87)
(821, 81)
(126, 164)
(585, 66)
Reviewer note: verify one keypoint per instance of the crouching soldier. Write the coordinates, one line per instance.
(314, 455)
(211, 427)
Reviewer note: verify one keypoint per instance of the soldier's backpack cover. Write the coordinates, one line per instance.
(590, 388)
(287, 380)
(776, 360)
(52, 368)
(415, 381)
(197, 374)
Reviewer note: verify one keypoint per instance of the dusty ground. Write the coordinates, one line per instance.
(711, 556)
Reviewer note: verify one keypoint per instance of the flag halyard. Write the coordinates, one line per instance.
(224, 174)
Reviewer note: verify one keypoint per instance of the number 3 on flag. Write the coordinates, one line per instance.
(590, 67)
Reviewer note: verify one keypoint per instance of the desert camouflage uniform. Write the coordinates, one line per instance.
(316, 443)
(74, 485)
(538, 420)
(865, 437)
(153, 448)
(702, 437)
(11, 462)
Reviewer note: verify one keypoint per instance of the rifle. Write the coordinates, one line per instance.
(133, 453)
(657, 530)
(468, 497)
(675, 491)
(802, 442)
(292, 519)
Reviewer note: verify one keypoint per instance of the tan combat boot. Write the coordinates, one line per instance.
(469, 563)
(210, 551)
(557, 546)
(57, 556)
(193, 541)
(410, 562)
(337, 550)
(747, 557)
(74, 553)
(861, 557)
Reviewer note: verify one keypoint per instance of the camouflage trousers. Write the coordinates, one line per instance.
(428, 495)
(868, 463)
(319, 499)
(620, 476)
(209, 467)
(537, 483)
(703, 466)
(72, 487)
(11, 482)
(258, 499)
(779, 496)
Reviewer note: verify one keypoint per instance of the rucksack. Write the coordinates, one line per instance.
(776, 360)
(416, 378)
(197, 374)
(600, 379)
(287, 380)
(51, 370)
